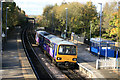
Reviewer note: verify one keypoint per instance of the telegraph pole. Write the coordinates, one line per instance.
(100, 29)
(66, 20)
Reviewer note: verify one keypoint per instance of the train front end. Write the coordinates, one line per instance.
(66, 55)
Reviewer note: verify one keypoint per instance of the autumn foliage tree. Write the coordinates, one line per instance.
(79, 17)
(111, 21)
(15, 16)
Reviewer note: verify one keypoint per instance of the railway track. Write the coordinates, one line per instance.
(71, 74)
(38, 68)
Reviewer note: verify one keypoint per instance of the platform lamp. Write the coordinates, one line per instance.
(52, 21)
(100, 29)
(66, 20)
(6, 22)
(2, 19)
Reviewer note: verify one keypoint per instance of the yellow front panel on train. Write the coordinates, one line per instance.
(66, 53)
(64, 58)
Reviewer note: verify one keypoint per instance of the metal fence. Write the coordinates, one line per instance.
(85, 70)
(107, 63)
(118, 64)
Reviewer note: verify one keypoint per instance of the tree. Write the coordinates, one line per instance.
(79, 17)
(15, 16)
(108, 10)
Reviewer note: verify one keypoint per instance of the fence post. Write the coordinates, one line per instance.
(114, 64)
(97, 63)
(117, 59)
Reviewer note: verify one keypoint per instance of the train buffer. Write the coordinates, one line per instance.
(15, 64)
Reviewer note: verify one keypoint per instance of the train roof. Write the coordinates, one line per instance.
(43, 33)
(54, 38)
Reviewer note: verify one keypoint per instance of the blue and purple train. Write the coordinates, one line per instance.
(62, 52)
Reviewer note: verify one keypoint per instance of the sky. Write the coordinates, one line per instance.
(35, 7)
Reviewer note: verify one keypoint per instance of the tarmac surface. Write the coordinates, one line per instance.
(88, 61)
(15, 64)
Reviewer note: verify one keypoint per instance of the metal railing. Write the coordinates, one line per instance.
(85, 70)
(105, 63)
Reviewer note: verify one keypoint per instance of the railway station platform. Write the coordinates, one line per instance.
(15, 65)
(87, 65)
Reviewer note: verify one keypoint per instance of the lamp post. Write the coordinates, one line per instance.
(90, 28)
(1, 28)
(2, 19)
(6, 22)
(46, 19)
(66, 20)
(100, 29)
(52, 22)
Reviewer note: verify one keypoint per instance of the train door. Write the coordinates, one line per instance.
(52, 49)
(44, 44)
(55, 51)
(48, 46)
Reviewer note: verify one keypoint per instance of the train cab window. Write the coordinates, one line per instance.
(48, 43)
(67, 50)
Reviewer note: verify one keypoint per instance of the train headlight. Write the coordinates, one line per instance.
(74, 59)
(58, 58)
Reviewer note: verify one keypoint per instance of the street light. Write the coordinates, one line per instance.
(90, 28)
(100, 29)
(66, 20)
(46, 19)
(52, 21)
(6, 22)
(2, 16)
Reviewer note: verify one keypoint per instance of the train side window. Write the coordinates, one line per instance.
(60, 49)
(44, 41)
(50, 44)
(53, 46)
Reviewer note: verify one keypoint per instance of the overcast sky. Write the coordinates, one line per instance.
(35, 7)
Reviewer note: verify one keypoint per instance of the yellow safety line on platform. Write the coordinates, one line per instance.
(24, 71)
(20, 58)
